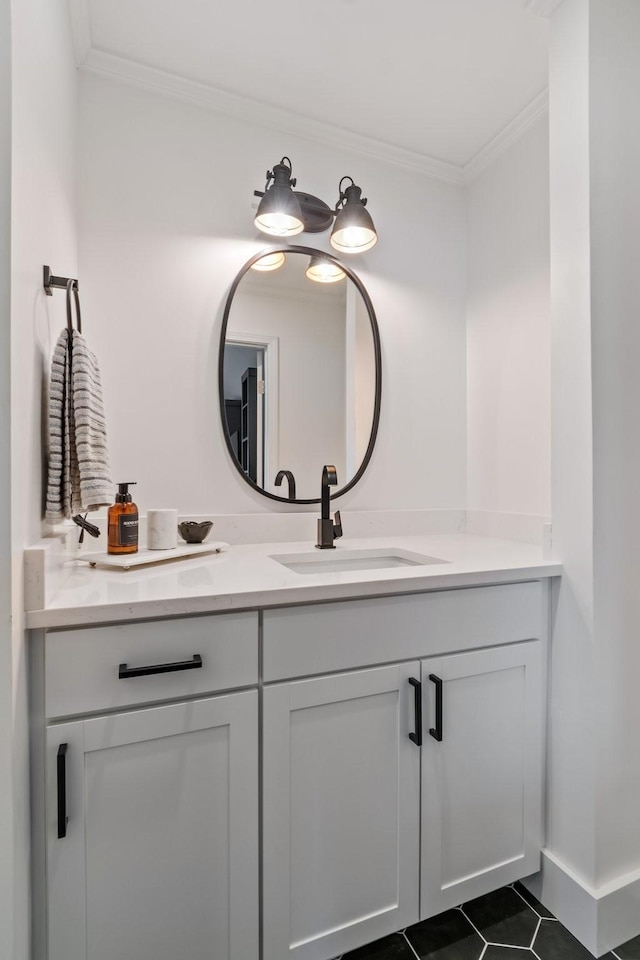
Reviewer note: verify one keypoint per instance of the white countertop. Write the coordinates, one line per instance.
(246, 577)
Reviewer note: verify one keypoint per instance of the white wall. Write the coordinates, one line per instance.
(6, 659)
(614, 143)
(166, 222)
(572, 768)
(43, 231)
(594, 763)
(508, 330)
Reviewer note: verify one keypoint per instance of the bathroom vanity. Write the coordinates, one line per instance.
(297, 766)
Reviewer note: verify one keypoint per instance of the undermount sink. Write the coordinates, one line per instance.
(343, 561)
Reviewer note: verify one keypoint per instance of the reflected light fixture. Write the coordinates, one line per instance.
(279, 211)
(353, 231)
(271, 261)
(323, 270)
(285, 212)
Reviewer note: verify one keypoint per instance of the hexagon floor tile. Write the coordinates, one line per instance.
(449, 936)
(508, 924)
(629, 950)
(533, 903)
(554, 942)
(394, 947)
(503, 917)
(500, 952)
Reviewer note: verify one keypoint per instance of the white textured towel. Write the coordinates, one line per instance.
(79, 476)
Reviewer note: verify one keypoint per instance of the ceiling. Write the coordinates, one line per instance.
(439, 78)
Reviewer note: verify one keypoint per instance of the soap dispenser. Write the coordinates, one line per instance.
(123, 522)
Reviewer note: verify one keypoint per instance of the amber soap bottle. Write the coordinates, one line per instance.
(123, 522)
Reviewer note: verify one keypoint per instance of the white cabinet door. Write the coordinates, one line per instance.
(482, 782)
(340, 812)
(160, 856)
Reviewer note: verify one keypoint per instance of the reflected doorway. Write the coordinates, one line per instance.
(251, 400)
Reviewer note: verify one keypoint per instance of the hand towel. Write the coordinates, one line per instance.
(79, 478)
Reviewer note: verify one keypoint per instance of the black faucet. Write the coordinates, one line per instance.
(328, 531)
(290, 479)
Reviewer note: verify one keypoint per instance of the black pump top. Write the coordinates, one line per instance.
(123, 495)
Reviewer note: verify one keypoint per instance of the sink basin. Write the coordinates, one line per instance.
(343, 561)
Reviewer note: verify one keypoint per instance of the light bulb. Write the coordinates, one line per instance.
(322, 270)
(269, 262)
(279, 224)
(354, 239)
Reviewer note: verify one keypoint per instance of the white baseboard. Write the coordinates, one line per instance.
(601, 919)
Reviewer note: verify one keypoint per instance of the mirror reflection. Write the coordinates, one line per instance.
(300, 374)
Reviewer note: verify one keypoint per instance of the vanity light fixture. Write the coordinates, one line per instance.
(353, 231)
(269, 262)
(279, 211)
(284, 212)
(323, 270)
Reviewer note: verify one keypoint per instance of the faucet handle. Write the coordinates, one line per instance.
(337, 525)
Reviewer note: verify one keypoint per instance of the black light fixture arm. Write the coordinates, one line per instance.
(281, 174)
(352, 192)
(342, 194)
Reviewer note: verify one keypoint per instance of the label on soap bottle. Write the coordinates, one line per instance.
(128, 529)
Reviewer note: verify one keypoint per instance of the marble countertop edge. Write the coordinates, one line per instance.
(215, 584)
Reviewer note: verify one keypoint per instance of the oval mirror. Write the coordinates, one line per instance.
(299, 373)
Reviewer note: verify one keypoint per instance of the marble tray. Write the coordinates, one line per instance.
(145, 556)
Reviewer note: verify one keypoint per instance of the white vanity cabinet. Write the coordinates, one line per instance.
(482, 781)
(341, 815)
(151, 812)
(370, 820)
(400, 774)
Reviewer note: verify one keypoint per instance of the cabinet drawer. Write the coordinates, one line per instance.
(320, 638)
(82, 667)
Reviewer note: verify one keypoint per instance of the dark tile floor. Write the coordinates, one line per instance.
(509, 924)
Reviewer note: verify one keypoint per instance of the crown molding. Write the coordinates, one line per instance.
(80, 29)
(507, 136)
(253, 111)
(113, 67)
(542, 8)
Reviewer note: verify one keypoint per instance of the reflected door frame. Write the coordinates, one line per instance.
(271, 348)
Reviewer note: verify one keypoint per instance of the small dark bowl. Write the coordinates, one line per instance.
(194, 532)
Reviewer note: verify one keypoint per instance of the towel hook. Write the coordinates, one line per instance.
(63, 283)
(49, 281)
(73, 285)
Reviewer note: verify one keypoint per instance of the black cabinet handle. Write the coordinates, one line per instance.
(417, 692)
(436, 732)
(125, 672)
(61, 765)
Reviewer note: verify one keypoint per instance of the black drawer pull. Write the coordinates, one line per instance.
(61, 770)
(125, 672)
(436, 732)
(417, 692)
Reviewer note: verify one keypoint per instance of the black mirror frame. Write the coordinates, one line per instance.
(308, 251)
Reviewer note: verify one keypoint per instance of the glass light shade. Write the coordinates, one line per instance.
(324, 271)
(269, 262)
(279, 213)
